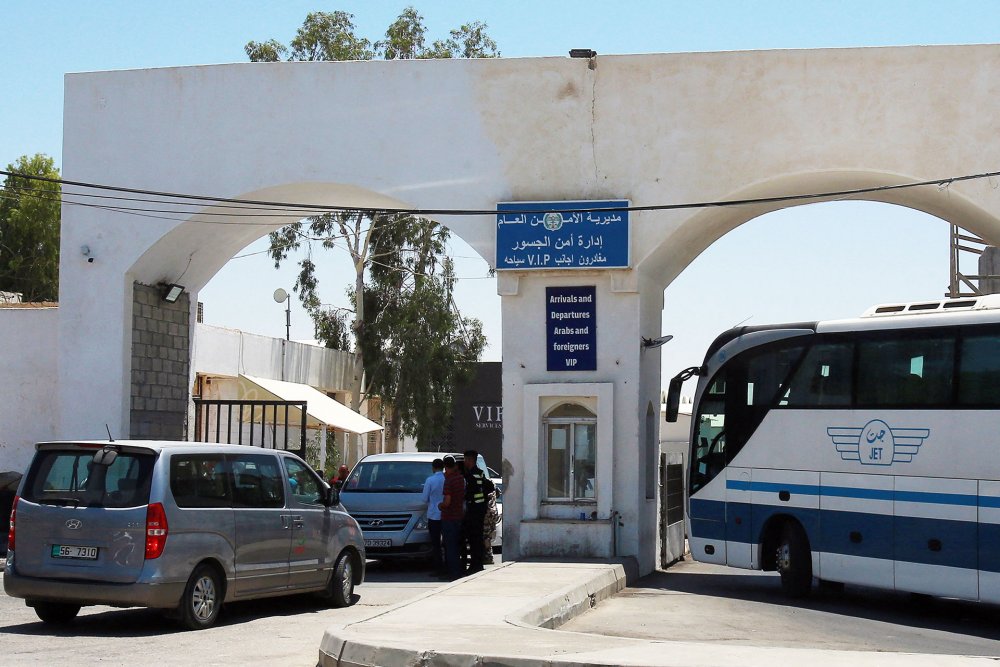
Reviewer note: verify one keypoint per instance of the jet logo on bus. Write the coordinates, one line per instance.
(876, 443)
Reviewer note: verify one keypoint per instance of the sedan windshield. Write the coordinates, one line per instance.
(389, 477)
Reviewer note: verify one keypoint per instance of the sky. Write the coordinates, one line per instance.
(797, 264)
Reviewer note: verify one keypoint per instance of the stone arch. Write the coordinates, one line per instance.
(188, 252)
(201, 245)
(961, 204)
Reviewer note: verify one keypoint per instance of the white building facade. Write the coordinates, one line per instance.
(455, 134)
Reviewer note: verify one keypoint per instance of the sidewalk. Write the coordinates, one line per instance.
(503, 616)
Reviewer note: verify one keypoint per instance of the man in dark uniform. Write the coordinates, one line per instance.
(477, 486)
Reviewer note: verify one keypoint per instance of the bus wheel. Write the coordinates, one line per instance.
(793, 561)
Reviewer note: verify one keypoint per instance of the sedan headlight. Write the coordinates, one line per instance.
(421, 522)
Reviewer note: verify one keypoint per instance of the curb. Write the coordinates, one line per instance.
(338, 649)
(565, 605)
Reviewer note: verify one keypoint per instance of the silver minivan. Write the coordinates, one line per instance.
(182, 527)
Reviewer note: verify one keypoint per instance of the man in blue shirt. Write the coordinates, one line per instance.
(433, 495)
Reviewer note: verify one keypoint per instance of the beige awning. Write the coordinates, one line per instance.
(320, 409)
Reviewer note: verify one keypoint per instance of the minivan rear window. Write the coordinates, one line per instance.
(70, 477)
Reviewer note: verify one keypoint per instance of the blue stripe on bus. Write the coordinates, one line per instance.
(961, 544)
(961, 499)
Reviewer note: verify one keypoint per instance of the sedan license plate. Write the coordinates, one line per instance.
(82, 553)
(378, 543)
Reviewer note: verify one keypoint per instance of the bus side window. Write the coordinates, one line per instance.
(824, 378)
(979, 371)
(902, 370)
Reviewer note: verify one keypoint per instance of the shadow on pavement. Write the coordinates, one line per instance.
(916, 611)
(401, 571)
(139, 622)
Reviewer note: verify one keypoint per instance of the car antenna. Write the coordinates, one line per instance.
(108, 428)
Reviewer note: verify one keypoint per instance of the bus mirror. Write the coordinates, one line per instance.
(674, 393)
(674, 398)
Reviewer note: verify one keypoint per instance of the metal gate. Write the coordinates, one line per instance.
(671, 528)
(259, 423)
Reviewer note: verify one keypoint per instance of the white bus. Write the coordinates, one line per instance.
(862, 451)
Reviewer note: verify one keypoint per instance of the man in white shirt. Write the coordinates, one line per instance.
(433, 495)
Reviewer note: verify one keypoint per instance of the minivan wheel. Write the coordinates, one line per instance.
(202, 599)
(56, 613)
(342, 581)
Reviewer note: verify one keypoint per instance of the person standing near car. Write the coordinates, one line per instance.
(490, 525)
(451, 516)
(434, 495)
(338, 481)
(477, 486)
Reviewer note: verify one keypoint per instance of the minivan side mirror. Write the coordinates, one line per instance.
(332, 496)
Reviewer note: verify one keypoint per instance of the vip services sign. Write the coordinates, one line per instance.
(563, 235)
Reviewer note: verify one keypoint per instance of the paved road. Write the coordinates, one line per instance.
(276, 631)
(698, 602)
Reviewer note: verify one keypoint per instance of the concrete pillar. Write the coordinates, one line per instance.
(621, 520)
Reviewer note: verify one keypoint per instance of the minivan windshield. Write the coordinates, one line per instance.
(70, 477)
(388, 477)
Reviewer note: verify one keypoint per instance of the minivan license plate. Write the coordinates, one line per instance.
(378, 543)
(64, 551)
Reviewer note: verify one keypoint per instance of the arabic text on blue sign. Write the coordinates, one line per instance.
(547, 235)
(571, 328)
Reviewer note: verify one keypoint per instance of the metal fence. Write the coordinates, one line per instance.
(264, 424)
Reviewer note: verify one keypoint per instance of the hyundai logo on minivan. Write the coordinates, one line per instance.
(375, 522)
(74, 524)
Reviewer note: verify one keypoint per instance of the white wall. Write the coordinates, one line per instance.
(230, 353)
(28, 376)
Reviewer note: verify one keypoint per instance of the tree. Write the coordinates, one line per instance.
(330, 36)
(412, 346)
(29, 230)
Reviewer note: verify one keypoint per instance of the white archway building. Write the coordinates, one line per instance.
(649, 129)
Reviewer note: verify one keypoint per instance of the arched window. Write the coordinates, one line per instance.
(570, 453)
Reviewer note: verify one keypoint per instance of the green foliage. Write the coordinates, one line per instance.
(330, 36)
(29, 230)
(331, 327)
(405, 37)
(471, 41)
(270, 51)
(313, 450)
(414, 345)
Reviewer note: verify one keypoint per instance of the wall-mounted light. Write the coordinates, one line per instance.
(172, 292)
(649, 343)
(582, 53)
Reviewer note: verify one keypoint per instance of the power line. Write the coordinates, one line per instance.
(426, 212)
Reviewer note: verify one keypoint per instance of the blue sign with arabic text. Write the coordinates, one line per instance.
(563, 235)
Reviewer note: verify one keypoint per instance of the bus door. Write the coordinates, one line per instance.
(707, 487)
